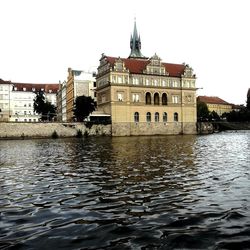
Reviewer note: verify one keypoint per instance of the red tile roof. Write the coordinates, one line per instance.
(137, 66)
(4, 82)
(33, 87)
(212, 100)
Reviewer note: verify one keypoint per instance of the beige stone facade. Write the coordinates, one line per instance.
(146, 96)
(78, 83)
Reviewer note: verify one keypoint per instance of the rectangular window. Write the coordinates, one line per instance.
(120, 97)
(175, 84)
(135, 81)
(175, 99)
(135, 97)
(119, 79)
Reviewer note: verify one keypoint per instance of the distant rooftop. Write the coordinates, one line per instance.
(34, 87)
(212, 100)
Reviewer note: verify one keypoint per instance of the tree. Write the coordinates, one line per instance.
(39, 102)
(248, 100)
(202, 111)
(84, 105)
(43, 107)
(213, 116)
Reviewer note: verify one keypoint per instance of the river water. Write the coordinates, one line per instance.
(158, 192)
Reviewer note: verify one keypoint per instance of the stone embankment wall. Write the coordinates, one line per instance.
(204, 128)
(211, 127)
(152, 128)
(13, 130)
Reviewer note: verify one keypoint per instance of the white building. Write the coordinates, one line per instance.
(17, 99)
(5, 110)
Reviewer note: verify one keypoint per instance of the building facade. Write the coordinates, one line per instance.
(61, 102)
(78, 83)
(17, 100)
(146, 96)
(5, 102)
(216, 104)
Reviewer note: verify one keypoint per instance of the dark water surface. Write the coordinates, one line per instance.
(165, 192)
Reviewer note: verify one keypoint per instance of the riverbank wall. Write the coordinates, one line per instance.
(211, 127)
(16, 130)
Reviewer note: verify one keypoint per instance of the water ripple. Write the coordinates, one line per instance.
(174, 192)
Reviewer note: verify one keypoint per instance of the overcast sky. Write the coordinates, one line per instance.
(40, 39)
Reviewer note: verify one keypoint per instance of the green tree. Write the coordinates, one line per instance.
(213, 116)
(202, 111)
(39, 102)
(43, 107)
(84, 105)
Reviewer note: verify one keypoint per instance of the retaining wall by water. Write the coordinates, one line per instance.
(14, 130)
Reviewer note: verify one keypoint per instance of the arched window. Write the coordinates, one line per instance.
(165, 117)
(176, 117)
(156, 117)
(164, 99)
(156, 99)
(148, 98)
(148, 117)
(136, 117)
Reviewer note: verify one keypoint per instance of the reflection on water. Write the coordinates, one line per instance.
(172, 192)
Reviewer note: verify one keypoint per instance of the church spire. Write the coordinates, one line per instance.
(135, 44)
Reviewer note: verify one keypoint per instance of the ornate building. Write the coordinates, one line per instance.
(146, 96)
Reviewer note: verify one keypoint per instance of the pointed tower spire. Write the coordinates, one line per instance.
(135, 44)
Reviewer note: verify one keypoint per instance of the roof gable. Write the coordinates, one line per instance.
(137, 66)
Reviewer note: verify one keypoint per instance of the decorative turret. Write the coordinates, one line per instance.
(135, 45)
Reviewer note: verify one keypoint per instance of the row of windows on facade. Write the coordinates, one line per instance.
(33, 89)
(27, 120)
(150, 82)
(156, 117)
(156, 97)
(25, 113)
